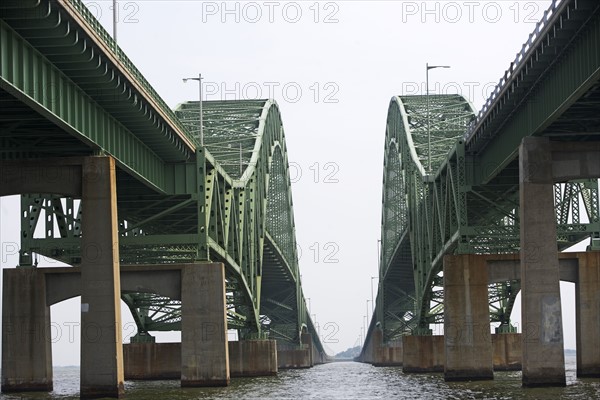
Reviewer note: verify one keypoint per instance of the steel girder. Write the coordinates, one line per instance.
(550, 89)
(245, 221)
(67, 89)
(426, 215)
(421, 209)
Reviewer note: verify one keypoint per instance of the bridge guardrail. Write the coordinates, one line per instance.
(515, 66)
(87, 16)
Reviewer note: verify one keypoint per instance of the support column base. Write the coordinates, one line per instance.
(27, 387)
(545, 380)
(423, 354)
(99, 392)
(507, 351)
(293, 359)
(205, 383)
(152, 361)
(253, 358)
(589, 374)
(26, 341)
(389, 355)
(467, 375)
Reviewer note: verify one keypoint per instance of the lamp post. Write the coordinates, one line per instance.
(115, 18)
(199, 79)
(365, 327)
(372, 302)
(428, 67)
(368, 312)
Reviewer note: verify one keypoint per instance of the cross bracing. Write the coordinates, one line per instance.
(468, 202)
(67, 89)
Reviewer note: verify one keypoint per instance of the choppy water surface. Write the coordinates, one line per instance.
(347, 380)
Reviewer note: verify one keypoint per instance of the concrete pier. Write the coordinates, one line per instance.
(204, 349)
(587, 300)
(306, 339)
(543, 349)
(253, 358)
(423, 353)
(152, 361)
(467, 337)
(289, 358)
(26, 334)
(389, 355)
(379, 354)
(507, 351)
(101, 334)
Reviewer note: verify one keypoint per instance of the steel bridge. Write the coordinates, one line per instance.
(68, 91)
(468, 202)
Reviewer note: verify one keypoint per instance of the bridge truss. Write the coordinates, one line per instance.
(67, 89)
(427, 214)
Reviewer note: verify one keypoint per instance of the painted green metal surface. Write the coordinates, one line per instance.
(68, 90)
(468, 203)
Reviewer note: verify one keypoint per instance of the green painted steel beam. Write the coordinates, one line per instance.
(36, 83)
(550, 91)
(68, 89)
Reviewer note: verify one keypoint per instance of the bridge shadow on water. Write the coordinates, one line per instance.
(348, 380)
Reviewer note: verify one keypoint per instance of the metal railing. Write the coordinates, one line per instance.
(119, 54)
(526, 50)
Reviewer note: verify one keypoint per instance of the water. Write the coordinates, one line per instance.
(346, 380)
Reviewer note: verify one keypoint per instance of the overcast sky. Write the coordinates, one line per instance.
(332, 67)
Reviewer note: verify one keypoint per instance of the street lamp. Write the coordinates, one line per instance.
(115, 19)
(372, 302)
(199, 79)
(365, 326)
(368, 312)
(428, 67)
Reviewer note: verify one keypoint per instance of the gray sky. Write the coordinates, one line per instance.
(332, 67)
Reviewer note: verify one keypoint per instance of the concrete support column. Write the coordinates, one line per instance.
(306, 339)
(101, 340)
(293, 358)
(26, 344)
(507, 351)
(388, 354)
(423, 353)
(204, 349)
(543, 349)
(468, 341)
(148, 361)
(253, 358)
(587, 300)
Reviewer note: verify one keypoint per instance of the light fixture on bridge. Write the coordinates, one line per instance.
(428, 67)
(372, 298)
(199, 79)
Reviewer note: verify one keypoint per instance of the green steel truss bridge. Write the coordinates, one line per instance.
(68, 90)
(468, 201)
